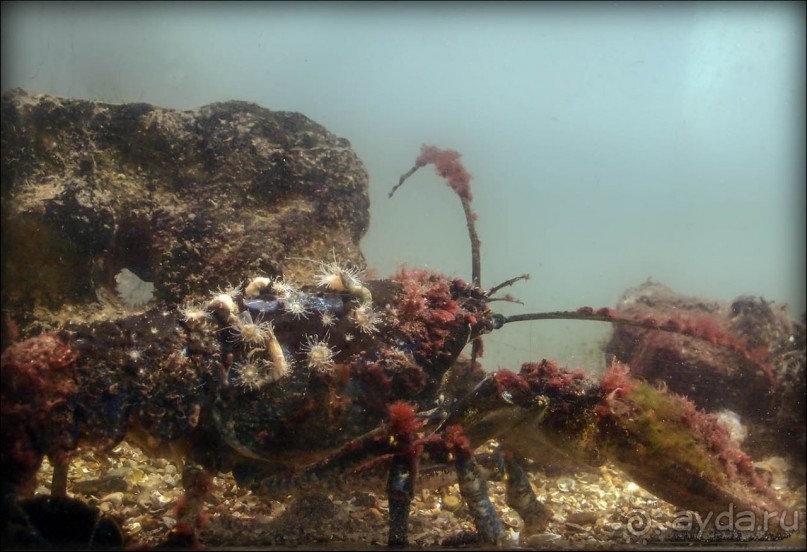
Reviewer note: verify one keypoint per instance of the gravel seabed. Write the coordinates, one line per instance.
(592, 510)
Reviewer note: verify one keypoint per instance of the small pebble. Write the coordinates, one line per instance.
(566, 484)
(451, 503)
(631, 488)
(583, 518)
(575, 528)
(115, 499)
(542, 538)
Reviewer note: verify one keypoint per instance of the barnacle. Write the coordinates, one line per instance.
(319, 355)
(366, 318)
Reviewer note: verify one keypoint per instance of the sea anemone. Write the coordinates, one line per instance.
(366, 318)
(296, 305)
(254, 374)
(337, 277)
(193, 314)
(284, 289)
(318, 354)
(223, 303)
(250, 333)
(328, 318)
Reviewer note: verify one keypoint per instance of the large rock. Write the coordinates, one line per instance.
(189, 200)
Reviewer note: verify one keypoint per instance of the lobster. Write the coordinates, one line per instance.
(345, 383)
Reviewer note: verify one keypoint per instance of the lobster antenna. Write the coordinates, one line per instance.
(690, 328)
(448, 165)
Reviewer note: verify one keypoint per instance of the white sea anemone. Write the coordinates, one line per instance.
(318, 354)
(250, 333)
(366, 318)
(193, 314)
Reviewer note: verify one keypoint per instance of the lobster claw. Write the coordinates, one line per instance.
(685, 457)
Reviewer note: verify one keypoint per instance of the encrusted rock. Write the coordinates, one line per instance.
(189, 200)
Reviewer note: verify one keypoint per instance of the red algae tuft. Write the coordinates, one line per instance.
(514, 384)
(448, 165)
(547, 376)
(39, 368)
(617, 379)
(402, 419)
(456, 439)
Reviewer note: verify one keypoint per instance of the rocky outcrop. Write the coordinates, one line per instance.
(189, 200)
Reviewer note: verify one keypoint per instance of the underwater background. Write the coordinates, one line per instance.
(609, 143)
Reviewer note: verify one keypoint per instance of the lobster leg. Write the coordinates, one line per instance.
(521, 498)
(400, 490)
(472, 484)
(474, 490)
(58, 486)
(197, 482)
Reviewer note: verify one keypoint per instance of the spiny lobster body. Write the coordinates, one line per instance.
(299, 387)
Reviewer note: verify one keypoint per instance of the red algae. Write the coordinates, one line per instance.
(513, 383)
(617, 380)
(457, 440)
(427, 312)
(606, 312)
(547, 376)
(403, 423)
(448, 165)
(710, 329)
(667, 418)
(717, 438)
(39, 368)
